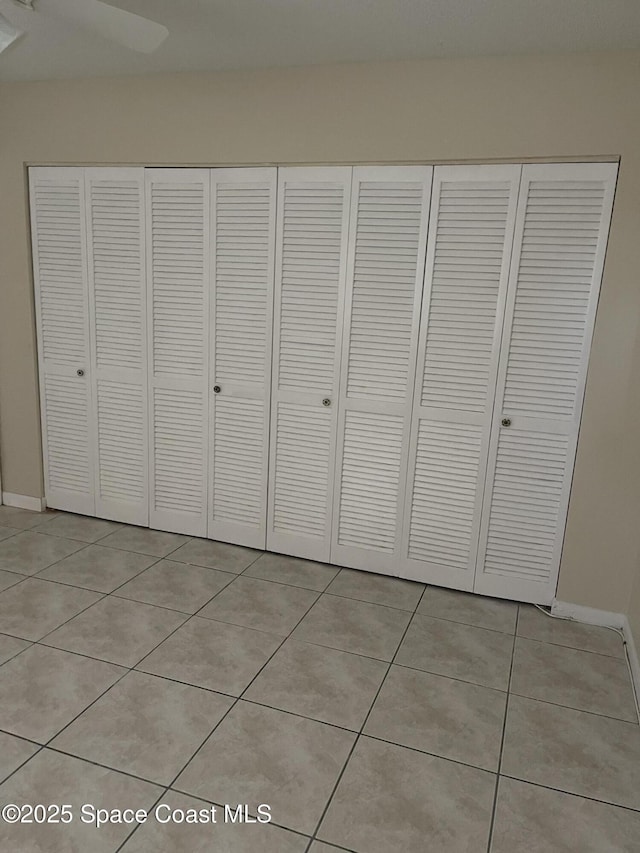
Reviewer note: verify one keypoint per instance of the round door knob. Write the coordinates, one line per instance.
(217, 389)
(506, 422)
(326, 402)
(80, 372)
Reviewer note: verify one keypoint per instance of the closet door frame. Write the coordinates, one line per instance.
(80, 503)
(498, 585)
(369, 558)
(433, 572)
(281, 541)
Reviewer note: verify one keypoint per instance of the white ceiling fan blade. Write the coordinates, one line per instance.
(8, 33)
(130, 30)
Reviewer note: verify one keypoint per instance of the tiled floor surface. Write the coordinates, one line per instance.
(371, 714)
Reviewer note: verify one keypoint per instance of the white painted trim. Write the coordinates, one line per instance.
(590, 615)
(24, 502)
(633, 657)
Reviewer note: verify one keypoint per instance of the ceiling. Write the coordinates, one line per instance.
(213, 35)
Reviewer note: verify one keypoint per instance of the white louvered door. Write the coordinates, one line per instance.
(311, 246)
(470, 241)
(243, 206)
(562, 226)
(62, 312)
(117, 310)
(387, 240)
(177, 222)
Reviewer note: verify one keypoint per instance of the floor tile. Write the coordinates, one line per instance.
(147, 726)
(144, 541)
(176, 585)
(95, 567)
(12, 516)
(392, 798)
(117, 630)
(8, 579)
(82, 527)
(477, 610)
(13, 752)
(265, 606)
(325, 684)
(30, 552)
(582, 680)
(440, 715)
(354, 626)
(573, 751)
(212, 654)
(171, 837)
(6, 532)
(11, 646)
(258, 755)
(564, 632)
(43, 689)
(459, 651)
(292, 570)
(530, 819)
(216, 555)
(321, 847)
(51, 777)
(377, 589)
(34, 607)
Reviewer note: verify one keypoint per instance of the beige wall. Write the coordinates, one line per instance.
(567, 106)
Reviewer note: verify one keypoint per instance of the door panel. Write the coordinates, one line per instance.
(389, 217)
(562, 226)
(311, 245)
(470, 241)
(177, 215)
(62, 312)
(243, 206)
(117, 307)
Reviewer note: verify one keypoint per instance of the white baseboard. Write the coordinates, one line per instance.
(24, 502)
(590, 615)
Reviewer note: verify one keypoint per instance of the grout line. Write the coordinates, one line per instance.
(575, 648)
(573, 708)
(504, 729)
(364, 722)
(570, 793)
(236, 701)
(154, 806)
(30, 643)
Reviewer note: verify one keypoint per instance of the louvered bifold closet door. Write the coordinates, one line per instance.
(243, 206)
(387, 240)
(311, 245)
(177, 220)
(58, 232)
(469, 248)
(117, 307)
(561, 233)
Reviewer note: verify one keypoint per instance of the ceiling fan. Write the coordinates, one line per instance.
(125, 28)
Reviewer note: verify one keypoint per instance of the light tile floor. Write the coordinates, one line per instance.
(371, 714)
